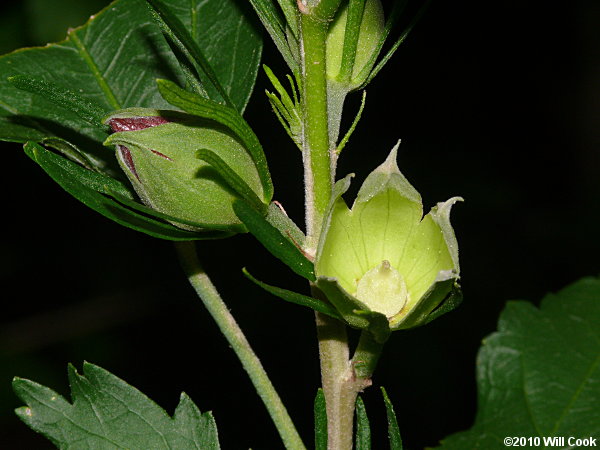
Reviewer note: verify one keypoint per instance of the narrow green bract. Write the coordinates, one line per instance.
(383, 254)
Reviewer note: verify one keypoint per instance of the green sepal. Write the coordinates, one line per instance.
(172, 27)
(393, 429)
(353, 311)
(294, 297)
(209, 231)
(363, 428)
(320, 412)
(274, 240)
(232, 178)
(92, 188)
(444, 294)
(229, 117)
(91, 112)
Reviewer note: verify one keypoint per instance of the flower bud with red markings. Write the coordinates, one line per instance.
(157, 151)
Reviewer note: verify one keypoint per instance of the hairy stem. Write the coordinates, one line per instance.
(336, 379)
(317, 163)
(235, 337)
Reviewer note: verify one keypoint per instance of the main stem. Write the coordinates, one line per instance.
(234, 335)
(317, 162)
(339, 382)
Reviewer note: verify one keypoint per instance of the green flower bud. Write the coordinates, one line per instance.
(157, 151)
(370, 32)
(382, 258)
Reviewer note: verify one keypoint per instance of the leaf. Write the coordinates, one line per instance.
(109, 413)
(294, 297)
(229, 39)
(320, 412)
(274, 241)
(68, 99)
(172, 27)
(363, 429)
(112, 62)
(393, 430)
(539, 374)
(89, 188)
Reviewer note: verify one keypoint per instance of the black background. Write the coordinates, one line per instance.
(495, 101)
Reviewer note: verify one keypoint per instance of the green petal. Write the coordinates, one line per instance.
(379, 226)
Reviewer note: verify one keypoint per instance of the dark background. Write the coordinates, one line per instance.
(495, 101)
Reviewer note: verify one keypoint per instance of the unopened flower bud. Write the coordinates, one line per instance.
(157, 151)
(370, 33)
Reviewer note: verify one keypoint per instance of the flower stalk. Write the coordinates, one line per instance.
(240, 345)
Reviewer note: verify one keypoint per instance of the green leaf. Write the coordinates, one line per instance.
(363, 429)
(320, 411)
(393, 430)
(294, 297)
(174, 29)
(92, 188)
(109, 413)
(201, 107)
(66, 98)
(229, 39)
(113, 62)
(274, 241)
(539, 374)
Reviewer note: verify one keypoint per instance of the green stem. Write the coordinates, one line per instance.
(336, 379)
(317, 161)
(234, 335)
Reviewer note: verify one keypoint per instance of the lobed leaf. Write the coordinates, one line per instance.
(106, 412)
(539, 374)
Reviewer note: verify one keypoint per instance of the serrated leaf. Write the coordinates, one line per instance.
(294, 297)
(92, 188)
(320, 412)
(228, 38)
(113, 60)
(108, 413)
(363, 429)
(274, 241)
(539, 374)
(393, 429)
(60, 96)
(176, 31)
